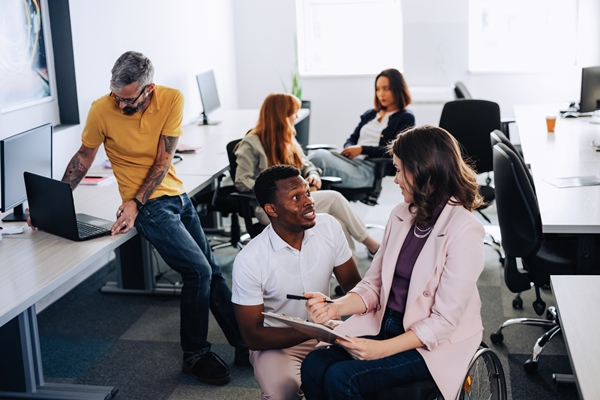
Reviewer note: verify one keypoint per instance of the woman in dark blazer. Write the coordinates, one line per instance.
(377, 127)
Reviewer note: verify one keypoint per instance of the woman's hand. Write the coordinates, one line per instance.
(352, 151)
(319, 310)
(314, 180)
(366, 349)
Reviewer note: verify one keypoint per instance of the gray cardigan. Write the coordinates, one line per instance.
(252, 160)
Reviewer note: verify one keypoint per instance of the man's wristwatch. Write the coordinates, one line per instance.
(138, 204)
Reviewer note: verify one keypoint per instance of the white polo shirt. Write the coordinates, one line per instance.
(268, 268)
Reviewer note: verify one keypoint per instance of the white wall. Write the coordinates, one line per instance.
(435, 54)
(181, 37)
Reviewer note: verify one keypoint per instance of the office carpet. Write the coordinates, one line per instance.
(132, 341)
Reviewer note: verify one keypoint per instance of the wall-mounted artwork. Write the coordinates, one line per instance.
(24, 77)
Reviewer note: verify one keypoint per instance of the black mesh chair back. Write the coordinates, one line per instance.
(521, 227)
(470, 122)
(461, 92)
(244, 200)
(498, 137)
(518, 212)
(231, 156)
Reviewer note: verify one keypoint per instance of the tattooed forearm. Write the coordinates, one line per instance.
(159, 170)
(155, 177)
(76, 170)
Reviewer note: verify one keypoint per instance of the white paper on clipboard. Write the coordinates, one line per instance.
(317, 331)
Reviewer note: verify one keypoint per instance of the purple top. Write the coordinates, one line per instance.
(411, 248)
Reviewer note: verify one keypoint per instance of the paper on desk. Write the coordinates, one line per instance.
(12, 230)
(574, 181)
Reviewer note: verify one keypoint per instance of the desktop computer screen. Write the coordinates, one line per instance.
(208, 95)
(590, 90)
(28, 151)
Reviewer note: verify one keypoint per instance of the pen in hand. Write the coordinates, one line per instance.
(296, 297)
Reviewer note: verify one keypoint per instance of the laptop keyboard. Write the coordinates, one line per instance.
(86, 230)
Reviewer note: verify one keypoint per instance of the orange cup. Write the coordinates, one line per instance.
(550, 122)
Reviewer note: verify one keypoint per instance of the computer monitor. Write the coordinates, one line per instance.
(28, 151)
(590, 90)
(208, 95)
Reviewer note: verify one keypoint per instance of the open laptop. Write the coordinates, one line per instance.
(52, 209)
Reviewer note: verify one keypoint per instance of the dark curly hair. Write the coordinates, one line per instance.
(433, 159)
(265, 186)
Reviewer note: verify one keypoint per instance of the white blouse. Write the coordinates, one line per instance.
(370, 133)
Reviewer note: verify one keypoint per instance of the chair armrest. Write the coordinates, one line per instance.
(383, 165)
(327, 181)
(242, 196)
(321, 146)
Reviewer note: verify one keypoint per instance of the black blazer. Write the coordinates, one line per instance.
(398, 122)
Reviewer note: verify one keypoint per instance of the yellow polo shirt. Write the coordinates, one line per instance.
(131, 141)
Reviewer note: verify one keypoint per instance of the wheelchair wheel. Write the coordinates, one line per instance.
(485, 378)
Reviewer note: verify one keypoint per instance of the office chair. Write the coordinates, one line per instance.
(244, 200)
(219, 200)
(498, 136)
(461, 92)
(484, 380)
(368, 194)
(521, 228)
(470, 122)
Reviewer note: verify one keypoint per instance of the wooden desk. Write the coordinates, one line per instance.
(32, 265)
(576, 298)
(212, 159)
(567, 152)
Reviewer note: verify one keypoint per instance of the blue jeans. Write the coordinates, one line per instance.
(172, 226)
(332, 373)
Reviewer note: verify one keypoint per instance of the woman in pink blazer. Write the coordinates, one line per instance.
(417, 308)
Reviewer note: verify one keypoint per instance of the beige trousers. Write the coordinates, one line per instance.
(333, 203)
(277, 371)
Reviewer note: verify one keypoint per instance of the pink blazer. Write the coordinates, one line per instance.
(443, 305)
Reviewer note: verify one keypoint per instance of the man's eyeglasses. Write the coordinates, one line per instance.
(128, 101)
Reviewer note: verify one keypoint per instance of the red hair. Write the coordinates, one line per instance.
(275, 131)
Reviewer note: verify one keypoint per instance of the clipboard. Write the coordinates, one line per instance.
(320, 332)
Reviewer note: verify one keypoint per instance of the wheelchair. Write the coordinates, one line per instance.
(484, 380)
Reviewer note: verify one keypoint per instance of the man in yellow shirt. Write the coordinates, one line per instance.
(139, 124)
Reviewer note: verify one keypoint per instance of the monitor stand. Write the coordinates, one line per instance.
(595, 117)
(18, 215)
(205, 120)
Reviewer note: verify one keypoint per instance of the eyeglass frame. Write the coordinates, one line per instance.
(128, 101)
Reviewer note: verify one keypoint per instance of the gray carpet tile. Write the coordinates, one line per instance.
(156, 324)
(69, 357)
(139, 369)
(539, 385)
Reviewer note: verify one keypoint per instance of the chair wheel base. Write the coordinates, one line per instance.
(517, 304)
(530, 366)
(497, 338)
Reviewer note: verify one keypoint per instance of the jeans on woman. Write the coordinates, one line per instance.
(331, 373)
(172, 226)
(355, 173)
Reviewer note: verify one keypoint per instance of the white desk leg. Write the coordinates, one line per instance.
(21, 375)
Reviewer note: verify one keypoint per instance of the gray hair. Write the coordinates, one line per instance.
(129, 68)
